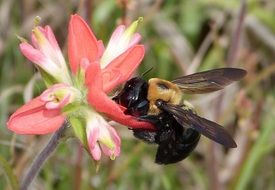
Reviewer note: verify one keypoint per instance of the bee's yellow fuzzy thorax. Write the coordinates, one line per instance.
(164, 90)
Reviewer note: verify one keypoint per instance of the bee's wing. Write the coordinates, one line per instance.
(209, 81)
(210, 129)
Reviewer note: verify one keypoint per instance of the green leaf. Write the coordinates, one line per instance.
(80, 78)
(9, 174)
(47, 78)
(71, 108)
(78, 125)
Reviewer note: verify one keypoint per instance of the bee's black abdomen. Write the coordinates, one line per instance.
(176, 150)
(180, 142)
(175, 141)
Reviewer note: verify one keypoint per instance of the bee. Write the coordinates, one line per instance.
(177, 127)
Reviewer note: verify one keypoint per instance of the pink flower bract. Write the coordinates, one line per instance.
(82, 43)
(102, 136)
(34, 118)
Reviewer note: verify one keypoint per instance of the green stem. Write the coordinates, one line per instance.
(42, 157)
(8, 172)
(257, 152)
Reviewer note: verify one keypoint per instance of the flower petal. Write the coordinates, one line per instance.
(121, 40)
(135, 39)
(102, 103)
(92, 135)
(46, 54)
(116, 139)
(93, 78)
(120, 69)
(34, 118)
(81, 43)
(50, 36)
(100, 47)
(96, 152)
(31, 53)
(114, 136)
(112, 153)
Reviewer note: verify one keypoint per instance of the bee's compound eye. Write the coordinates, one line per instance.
(159, 103)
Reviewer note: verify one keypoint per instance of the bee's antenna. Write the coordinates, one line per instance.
(147, 71)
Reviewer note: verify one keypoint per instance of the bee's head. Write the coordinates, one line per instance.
(132, 93)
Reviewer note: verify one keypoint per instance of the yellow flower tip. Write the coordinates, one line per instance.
(23, 40)
(108, 142)
(112, 157)
(135, 24)
(133, 27)
(39, 35)
(140, 19)
(37, 20)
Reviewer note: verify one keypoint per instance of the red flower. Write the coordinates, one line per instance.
(84, 45)
(36, 118)
(102, 70)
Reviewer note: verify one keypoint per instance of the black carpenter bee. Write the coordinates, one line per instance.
(177, 126)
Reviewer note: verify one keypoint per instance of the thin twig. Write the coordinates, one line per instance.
(178, 44)
(215, 182)
(213, 161)
(87, 9)
(78, 168)
(260, 33)
(12, 143)
(236, 35)
(201, 53)
(42, 157)
(124, 7)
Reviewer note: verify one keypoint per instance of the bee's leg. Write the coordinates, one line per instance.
(145, 135)
(149, 118)
(138, 110)
(128, 111)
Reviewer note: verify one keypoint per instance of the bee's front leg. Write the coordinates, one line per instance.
(149, 118)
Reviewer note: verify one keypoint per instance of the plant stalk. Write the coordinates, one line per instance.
(42, 157)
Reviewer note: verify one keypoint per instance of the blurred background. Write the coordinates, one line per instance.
(181, 37)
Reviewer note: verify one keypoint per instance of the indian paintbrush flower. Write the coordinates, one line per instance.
(46, 54)
(81, 96)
